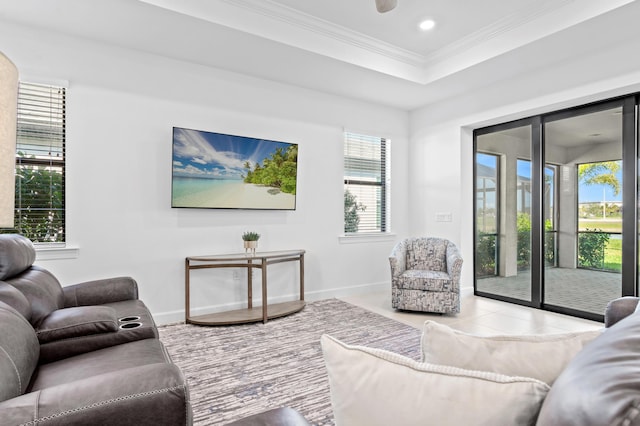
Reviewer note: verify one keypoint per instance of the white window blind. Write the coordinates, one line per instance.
(365, 176)
(40, 163)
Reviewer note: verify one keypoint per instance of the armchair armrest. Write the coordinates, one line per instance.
(98, 292)
(398, 259)
(151, 394)
(454, 263)
(618, 309)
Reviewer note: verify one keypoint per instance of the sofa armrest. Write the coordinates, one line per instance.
(151, 394)
(78, 321)
(98, 292)
(618, 309)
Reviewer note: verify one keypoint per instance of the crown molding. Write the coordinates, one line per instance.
(499, 28)
(288, 26)
(327, 29)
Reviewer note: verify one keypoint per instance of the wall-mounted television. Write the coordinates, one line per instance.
(220, 171)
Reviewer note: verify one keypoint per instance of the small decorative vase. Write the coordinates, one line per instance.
(250, 247)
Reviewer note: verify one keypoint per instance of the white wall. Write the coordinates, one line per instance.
(122, 105)
(442, 135)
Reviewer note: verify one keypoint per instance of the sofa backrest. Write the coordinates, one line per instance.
(14, 298)
(39, 286)
(601, 384)
(42, 290)
(19, 353)
(427, 254)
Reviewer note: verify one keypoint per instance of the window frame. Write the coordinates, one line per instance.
(381, 181)
(42, 118)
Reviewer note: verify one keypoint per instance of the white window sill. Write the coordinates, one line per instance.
(366, 238)
(55, 252)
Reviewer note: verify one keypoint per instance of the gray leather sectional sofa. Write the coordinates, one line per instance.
(601, 384)
(82, 354)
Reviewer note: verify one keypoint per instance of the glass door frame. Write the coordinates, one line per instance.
(630, 197)
(484, 131)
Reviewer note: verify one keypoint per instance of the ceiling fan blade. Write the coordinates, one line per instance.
(386, 5)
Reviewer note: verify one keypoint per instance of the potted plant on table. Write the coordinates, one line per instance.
(250, 241)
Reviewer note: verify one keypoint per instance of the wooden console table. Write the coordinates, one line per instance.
(251, 314)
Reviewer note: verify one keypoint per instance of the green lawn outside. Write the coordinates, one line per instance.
(613, 256)
(613, 225)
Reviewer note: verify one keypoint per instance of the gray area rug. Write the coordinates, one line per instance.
(240, 370)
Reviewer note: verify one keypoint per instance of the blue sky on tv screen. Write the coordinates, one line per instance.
(587, 193)
(205, 155)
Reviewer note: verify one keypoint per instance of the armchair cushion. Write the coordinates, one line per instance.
(376, 387)
(77, 322)
(414, 279)
(542, 357)
(429, 254)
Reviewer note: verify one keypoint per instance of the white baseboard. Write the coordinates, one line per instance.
(178, 316)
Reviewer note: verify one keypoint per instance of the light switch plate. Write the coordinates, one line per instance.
(443, 217)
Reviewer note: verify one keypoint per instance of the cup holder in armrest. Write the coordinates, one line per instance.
(130, 325)
(129, 319)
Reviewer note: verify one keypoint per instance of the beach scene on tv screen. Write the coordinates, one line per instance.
(214, 170)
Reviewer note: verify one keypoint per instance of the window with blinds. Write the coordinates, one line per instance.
(365, 188)
(40, 163)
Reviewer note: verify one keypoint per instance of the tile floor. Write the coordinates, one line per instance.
(480, 315)
(581, 289)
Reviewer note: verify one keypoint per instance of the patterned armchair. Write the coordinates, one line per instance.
(425, 275)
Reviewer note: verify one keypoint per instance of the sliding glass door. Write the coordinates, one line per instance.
(551, 230)
(503, 208)
(587, 146)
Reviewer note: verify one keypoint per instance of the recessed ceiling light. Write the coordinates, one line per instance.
(427, 24)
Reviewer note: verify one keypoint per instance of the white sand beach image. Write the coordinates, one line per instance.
(208, 193)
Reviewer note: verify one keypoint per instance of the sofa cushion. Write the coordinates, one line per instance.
(80, 321)
(114, 358)
(601, 385)
(283, 416)
(542, 357)
(152, 394)
(16, 255)
(19, 352)
(376, 387)
(427, 254)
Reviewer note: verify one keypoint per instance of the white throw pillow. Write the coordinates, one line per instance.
(376, 387)
(542, 357)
